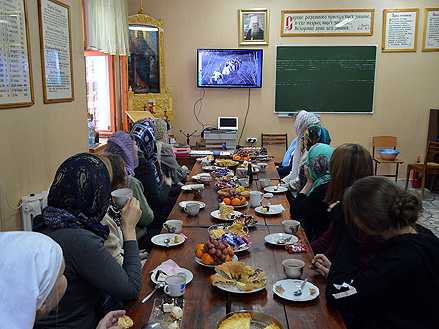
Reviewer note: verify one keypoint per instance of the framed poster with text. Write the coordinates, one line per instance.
(400, 29)
(327, 22)
(16, 88)
(430, 40)
(56, 51)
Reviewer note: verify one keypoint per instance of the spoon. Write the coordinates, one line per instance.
(299, 292)
(166, 242)
(151, 325)
(157, 286)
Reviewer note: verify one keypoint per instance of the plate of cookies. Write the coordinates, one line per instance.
(236, 277)
(168, 312)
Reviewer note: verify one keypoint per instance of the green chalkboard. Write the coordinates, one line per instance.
(322, 79)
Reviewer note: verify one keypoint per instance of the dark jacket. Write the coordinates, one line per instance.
(398, 289)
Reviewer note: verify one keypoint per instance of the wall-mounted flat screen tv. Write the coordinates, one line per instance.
(229, 68)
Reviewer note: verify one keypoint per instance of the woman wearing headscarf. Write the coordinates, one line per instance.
(77, 202)
(32, 287)
(160, 197)
(123, 145)
(309, 206)
(302, 122)
(166, 158)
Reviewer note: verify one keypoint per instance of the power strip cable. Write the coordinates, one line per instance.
(245, 119)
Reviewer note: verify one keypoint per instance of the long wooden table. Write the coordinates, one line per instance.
(205, 305)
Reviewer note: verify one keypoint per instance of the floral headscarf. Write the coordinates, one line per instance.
(321, 133)
(318, 159)
(144, 131)
(303, 121)
(121, 144)
(78, 197)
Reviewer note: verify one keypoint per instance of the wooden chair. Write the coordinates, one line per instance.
(425, 168)
(380, 142)
(275, 139)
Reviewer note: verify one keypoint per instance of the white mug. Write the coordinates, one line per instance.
(264, 182)
(192, 208)
(243, 182)
(173, 226)
(241, 172)
(121, 196)
(255, 198)
(291, 226)
(293, 268)
(262, 166)
(175, 285)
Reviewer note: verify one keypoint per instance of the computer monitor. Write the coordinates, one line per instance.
(228, 123)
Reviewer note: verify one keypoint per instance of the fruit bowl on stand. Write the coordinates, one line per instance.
(388, 154)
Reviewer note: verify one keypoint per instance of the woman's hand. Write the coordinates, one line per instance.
(332, 205)
(109, 321)
(186, 169)
(321, 264)
(309, 182)
(130, 215)
(143, 254)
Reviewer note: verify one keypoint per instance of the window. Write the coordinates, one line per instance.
(100, 91)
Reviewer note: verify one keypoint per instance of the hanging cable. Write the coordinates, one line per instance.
(245, 119)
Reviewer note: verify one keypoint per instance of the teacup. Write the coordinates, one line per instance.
(262, 166)
(121, 196)
(264, 182)
(198, 191)
(293, 268)
(291, 226)
(241, 172)
(243, 182)
(173, 226)
(192, 208)
(175, 285)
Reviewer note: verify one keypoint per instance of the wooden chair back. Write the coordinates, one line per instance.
(432, 151)
(275, 139)
(383, 141)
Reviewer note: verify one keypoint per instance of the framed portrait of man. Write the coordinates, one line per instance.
(143, 62)
(253, 26)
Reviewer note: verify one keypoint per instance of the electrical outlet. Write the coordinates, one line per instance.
(251, 140)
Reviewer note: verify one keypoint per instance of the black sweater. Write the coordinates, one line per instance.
(145, 173)
(312, 212)
(398, 289)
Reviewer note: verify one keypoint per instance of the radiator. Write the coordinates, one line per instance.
(31, 206)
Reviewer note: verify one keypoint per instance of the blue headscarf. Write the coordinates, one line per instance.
(318, 159)
(144, 132)
(78, 197)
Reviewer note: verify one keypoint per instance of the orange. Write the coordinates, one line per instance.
(236, 157)
(245, 158)
(207, 259)
(228, 258)
(236, 202)
(199, 250)
(243, 201)
(227, 201)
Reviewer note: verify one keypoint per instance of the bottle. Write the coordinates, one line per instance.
(91, 134)
(417, 177)
(250, 172)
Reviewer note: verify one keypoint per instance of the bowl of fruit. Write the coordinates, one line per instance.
(241, 155)
(214, 252)
(233, 198)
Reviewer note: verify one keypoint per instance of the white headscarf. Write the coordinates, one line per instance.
(29, 267)
(303, 121)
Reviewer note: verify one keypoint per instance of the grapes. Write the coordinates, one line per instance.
(218, 252)
(212, 251)
(211, 239)
(210, 245)
(223, 257)
(221, 246)
(231, 253)
(225, 251)
(215, 242)
(205, 249)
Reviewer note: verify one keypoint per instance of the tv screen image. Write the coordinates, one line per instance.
(230, 68)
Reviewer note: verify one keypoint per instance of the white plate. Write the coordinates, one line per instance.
(269, 212)
(187, 187)
(197, 177)
(183, 203)
(235, 290)
(160, 238)
(186, 273)
(285, 289)
(211, 168)
(241, 206)
(271, 189)
(216, 214)
(198, 261)
(273, 238)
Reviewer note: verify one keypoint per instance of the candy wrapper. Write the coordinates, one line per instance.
(297, 247)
